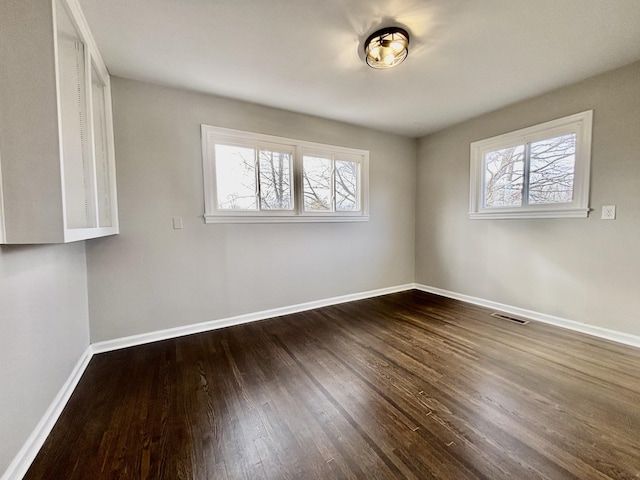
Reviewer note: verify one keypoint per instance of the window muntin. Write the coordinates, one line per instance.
(276, 187)
(541, 171)
(252, 177)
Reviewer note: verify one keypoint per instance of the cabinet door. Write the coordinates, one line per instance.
(77, 162)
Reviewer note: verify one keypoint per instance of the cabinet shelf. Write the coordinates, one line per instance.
(57, 164)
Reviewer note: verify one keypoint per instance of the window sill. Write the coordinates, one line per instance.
(506, 214)
(285, 218)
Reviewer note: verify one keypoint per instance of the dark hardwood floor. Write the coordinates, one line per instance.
(408, 385)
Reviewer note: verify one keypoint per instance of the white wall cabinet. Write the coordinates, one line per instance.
(57, 165)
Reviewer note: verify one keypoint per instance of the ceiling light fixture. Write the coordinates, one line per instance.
(387, 48)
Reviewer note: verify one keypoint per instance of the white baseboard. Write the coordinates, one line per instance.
(143, 338)
(20, 464)
(613, 335)
(23, 460)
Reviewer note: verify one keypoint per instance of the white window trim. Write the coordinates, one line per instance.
(581, 124)
(214, 215)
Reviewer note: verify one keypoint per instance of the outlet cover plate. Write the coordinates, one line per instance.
(608, 212)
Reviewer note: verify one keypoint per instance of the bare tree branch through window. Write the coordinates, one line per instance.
(548, 166)
(258, 178)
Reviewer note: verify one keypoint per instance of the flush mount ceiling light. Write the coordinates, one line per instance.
(387, 48)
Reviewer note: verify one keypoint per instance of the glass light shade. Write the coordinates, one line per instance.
(387, 48)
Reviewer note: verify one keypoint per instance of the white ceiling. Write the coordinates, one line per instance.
(466, 56)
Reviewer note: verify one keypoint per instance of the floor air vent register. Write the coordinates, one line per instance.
(510, 318)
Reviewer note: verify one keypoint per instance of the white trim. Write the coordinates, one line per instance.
(168, 333)
(523, 213)
(24, 458)
(80, 21)
(76, 234)
(278, 141)
(284, 218)
(141, 339)
(56, 67)
(22, 461)
(580, 124)
(595, 331)
(3, 232)
(93, 58)
(211, 135)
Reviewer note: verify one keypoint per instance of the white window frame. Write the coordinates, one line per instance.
(212, 214)
(581, 125)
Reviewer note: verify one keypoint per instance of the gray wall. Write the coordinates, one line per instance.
(152, 277)
(587, 270)
(45, 330)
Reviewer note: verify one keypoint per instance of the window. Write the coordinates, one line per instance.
(250, 177)
(330, 183)
(537, 172)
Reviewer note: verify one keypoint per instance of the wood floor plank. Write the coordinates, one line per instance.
(437, 396)
(404, 386)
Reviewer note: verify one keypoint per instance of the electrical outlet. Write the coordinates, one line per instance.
(608, 212)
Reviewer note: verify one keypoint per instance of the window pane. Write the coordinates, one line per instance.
(347, 174)
(316, 173)
(235, 178)
(552, 170)
(275, 180)
(503, 177)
